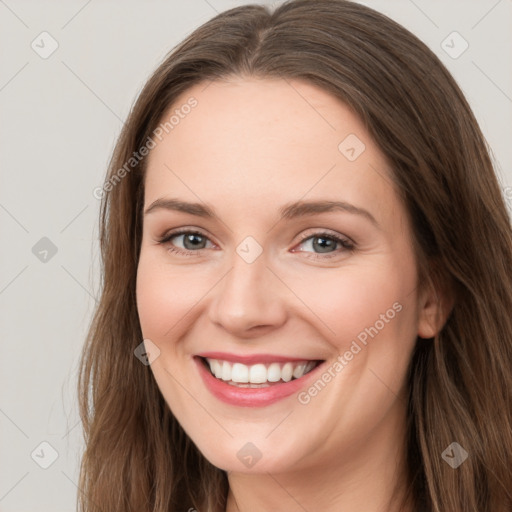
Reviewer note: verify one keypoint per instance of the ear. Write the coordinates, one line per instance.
(435, 305)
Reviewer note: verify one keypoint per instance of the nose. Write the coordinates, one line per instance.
(249, 301)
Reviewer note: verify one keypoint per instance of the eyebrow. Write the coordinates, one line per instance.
(288, 211)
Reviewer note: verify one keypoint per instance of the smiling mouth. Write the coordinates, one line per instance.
(258, 375)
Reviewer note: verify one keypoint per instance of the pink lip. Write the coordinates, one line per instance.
(252, 397)
(253, 358)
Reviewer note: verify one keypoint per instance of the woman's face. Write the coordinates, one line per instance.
(300, 251)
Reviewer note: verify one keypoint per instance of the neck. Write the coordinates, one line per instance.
(368, 476)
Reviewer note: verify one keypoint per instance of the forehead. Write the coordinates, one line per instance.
(249, 143)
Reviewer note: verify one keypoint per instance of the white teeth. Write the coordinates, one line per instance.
(259, 373)
(226, 371)
(216, 367)
(299, 370)
(274, 372)
(239, 373)
(309, 366)
(287, 372)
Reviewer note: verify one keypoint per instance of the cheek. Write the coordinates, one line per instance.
(356, 301)
(165, 295)
(166, 298)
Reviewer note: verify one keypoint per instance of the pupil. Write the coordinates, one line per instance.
(326, 244)
(192, 239)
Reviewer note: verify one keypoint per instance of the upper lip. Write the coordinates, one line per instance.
(253, 358)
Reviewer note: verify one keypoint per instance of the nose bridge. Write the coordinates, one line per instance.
(249, 295)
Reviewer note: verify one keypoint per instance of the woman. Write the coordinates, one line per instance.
(306, 284)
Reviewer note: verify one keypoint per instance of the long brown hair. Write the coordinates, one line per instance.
(137, 457)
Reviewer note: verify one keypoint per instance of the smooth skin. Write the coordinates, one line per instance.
(250, 147)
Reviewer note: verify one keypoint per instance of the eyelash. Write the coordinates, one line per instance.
(344, 242)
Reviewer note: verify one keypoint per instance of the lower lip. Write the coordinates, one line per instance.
(251, 397)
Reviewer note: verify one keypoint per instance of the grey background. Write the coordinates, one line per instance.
(60, 117)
